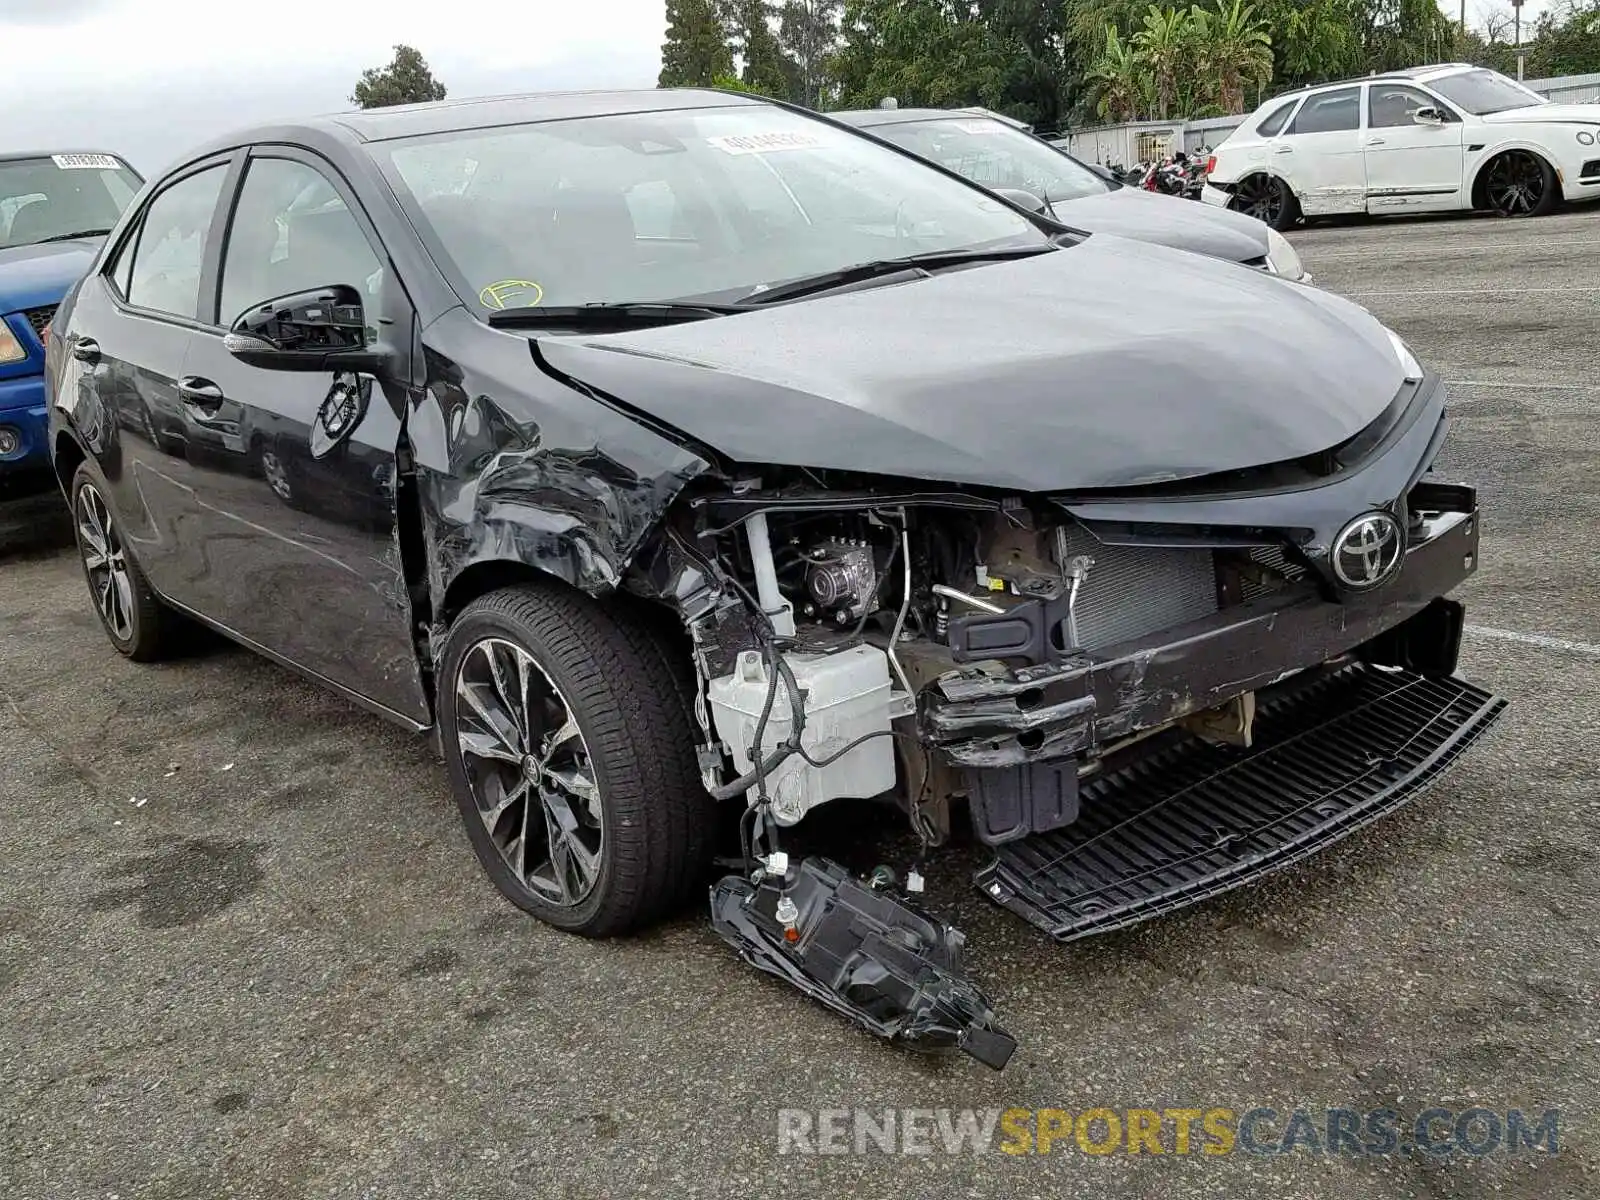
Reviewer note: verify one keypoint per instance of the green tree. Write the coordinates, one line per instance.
(808, 35)
(925, 52)
(1039, 79)
(1402, 33)
(764, 67)
(1117, 79)
(1313, 41)
(1163, 48)
(1571, 43)
(406, 80)
(696, 51)
(1234, 49)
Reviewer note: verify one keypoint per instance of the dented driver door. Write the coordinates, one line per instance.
(298, 547)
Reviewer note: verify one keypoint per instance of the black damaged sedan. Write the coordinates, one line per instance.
(683, 462)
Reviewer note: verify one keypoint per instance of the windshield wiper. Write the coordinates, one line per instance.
(69, 237)
(924, 264)
(622, 314)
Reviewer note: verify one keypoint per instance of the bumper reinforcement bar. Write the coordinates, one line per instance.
(1330, 755)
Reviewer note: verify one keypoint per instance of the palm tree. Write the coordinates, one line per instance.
(1118, 79)
(1235, 49)
(1163, 48)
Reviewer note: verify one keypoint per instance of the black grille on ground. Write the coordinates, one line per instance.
(39, 318)
(1592, 167)
(1193, 820)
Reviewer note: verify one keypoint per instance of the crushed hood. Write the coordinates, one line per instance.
(1105, 364)
(1169, 221)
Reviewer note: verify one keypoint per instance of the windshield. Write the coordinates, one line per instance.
(62, 194)
(1481, 92)
(707, 203)
(997, 156)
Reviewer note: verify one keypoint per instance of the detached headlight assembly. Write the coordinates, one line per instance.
(11, 350)
(1282, 258)
(1408, 360)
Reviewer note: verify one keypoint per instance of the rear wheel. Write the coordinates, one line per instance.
(570, 750)
(1519, 183)
(1266, 198)
(135, 620)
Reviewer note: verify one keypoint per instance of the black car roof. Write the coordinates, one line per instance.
(478, 112)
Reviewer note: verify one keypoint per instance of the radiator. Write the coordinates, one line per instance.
(1132, 591)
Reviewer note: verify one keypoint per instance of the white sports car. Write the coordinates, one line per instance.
(1424, 140)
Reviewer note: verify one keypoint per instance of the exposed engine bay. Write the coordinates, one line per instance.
(862, 610)
(1075, 691)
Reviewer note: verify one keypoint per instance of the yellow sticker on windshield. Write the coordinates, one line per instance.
(511, 293)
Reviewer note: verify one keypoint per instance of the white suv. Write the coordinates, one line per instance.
(1424, 140)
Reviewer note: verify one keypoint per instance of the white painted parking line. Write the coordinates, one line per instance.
(1524, 387)
(1434, 249)
(1586, 649)
(1480, 291)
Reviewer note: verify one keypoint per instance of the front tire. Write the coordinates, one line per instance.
(138, 624)
(1268, 199)
(1519, 183)
(567, 738)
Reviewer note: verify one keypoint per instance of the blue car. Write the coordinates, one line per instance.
(55, 210)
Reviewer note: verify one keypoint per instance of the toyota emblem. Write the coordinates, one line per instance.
(1367, 551)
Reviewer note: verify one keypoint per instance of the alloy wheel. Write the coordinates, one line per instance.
(529, 771)
(1516, 183)
(106, 563)
(1261, 197)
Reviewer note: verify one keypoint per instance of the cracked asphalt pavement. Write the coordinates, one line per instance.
(245, 950)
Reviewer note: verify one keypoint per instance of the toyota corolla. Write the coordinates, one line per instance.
(682, 461)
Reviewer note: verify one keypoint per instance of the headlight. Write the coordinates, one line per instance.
(11, 350)
(1281, 257)
(1585, 137)
(1408, 360)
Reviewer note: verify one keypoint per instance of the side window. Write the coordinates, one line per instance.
(1275, 121)
(1329, 112)
(165, 274)
(291, 232)
(1390, 104)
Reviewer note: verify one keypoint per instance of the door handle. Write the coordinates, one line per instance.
(86, 350)
(1284, 150)
(1374, 141)
(200, 395)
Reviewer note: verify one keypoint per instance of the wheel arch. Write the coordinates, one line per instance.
(67, 454)
(485, 575)
(1479, 176)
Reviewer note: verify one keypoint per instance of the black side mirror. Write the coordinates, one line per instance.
(1024, 199)
(1104, 172)
(321, 330)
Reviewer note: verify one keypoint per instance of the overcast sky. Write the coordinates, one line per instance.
(148, 79)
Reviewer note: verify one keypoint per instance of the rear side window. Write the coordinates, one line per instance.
(1276, 119)
(171, 246)
(1329, 112)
